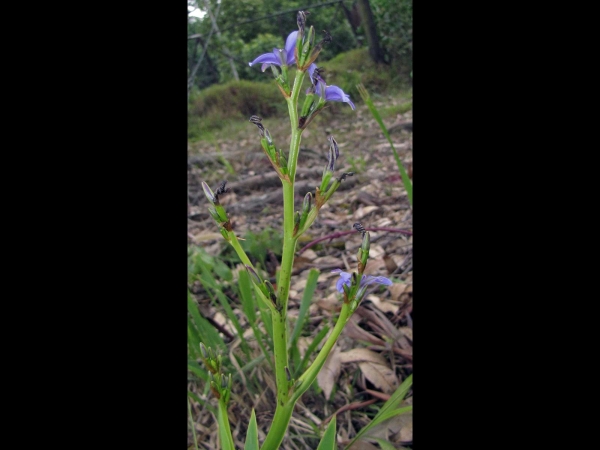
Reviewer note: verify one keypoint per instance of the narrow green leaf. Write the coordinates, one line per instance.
(193, 340)
(248, 367)
(405, 179)
(234, 320)
(248, 305)
(225, 437)
(389, 409)
(209, 336)
(252, 434)
(246, 296)
(309, 290)
(328, 442)
(195, 368)
(192, 426)
(385, 445)
(388, 415)
(206, 405)
(311, 349)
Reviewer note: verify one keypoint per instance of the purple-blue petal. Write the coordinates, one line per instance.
(370, 279)
(344, 279)
(266, 59)
(290, 45)
(336, 94)
(311, 70)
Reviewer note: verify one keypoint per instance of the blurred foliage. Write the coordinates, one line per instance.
(394, 24)
(212, 107)
(250, 28)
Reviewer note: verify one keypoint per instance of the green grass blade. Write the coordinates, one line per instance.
(309, 290)
(195, 368)
(388, 410)
(328, 440)
(385, 445)
(236, 323)
(310, 350)
(405, 179)
(208, 335)
(192, 425)
(206, 405)
(193, 340)
(248, 305)
(246, 296)
(225, 437)
(252, 434)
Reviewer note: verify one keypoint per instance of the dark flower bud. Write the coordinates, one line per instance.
(344, 175)
(255, 278)
(334, 144)
(301, 21)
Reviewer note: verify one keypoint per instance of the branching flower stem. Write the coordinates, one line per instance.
(284, 407)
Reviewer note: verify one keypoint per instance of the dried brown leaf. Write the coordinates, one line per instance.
(383, 305)
(380, 375)
(361, 354)
(355, 332)
(330, 372)
(397, 289)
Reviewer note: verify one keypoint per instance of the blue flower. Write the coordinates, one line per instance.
(329, 93)
(279, 56)
(345, 278)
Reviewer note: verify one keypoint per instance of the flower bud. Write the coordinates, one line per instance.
(253, 275)
(301, 21)
(365, 246)
(209, 193)
(270, 291)
(203, 350)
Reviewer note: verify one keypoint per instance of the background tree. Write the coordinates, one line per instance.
(250, 27)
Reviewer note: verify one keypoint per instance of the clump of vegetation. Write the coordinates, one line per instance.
(212, 107)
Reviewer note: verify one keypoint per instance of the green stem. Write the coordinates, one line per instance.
(284, 408)
(233, 240)
(224, 429)
(283, 412)
(296, 133)
(311, 373)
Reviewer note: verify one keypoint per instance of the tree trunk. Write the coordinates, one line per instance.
(225, 49)
(368, 23)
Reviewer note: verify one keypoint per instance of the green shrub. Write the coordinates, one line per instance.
(212, 107)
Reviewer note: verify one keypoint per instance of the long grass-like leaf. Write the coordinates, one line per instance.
(310, 350)
(328, 440)
(309, 290)
(192, 425)
(206, 405)
(252, 434)
(389, 409)
(248, 305)
(225, 437)
(195, 368)
(208, 335)
(385, 445)
(405, 179)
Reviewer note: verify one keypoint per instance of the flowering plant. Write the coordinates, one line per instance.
(300, 49)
